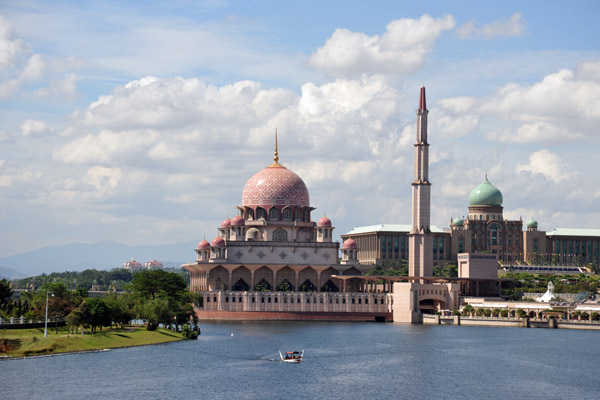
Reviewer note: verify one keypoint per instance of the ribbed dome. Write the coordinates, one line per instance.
(324, 223)
(226, 223)
(218, 242)
(532, 223)
(485, 194)
(237, 221)
(458, 221)
(275, 186)
(203, 245)
(349, 244)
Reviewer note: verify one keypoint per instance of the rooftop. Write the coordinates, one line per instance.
(389, 228)
(574, 232)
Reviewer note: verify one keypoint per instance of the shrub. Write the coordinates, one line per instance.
(188, 333)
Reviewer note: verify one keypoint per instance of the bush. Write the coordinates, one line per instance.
(188, 333)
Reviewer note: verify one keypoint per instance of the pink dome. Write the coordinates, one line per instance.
(218, 242)
(226, 223)
(275, 186)
(237, 221)
(203, 245)
(324, 223)
(349, 244)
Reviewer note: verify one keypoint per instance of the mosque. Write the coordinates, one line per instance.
(271, 261)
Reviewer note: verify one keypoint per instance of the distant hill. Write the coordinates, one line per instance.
(102, 255)
(9, 273)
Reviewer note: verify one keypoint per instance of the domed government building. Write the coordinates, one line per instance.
(485, 230)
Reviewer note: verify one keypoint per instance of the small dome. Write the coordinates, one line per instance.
(238, 221)
(485, 194)
(203, 245)
(349, 244)
(218, 242)
(458, 221)
(324, 223)
(226, 223)
(532, 223)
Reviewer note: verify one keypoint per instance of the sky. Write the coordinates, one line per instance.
(141, 121)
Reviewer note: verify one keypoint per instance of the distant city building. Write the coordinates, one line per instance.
(153, 264)
(132, 265)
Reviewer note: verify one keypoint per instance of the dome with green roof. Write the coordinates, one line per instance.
(458, 221)
(485, 194)
(532, 223)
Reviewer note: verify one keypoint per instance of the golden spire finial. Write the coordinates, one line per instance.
(276, 154)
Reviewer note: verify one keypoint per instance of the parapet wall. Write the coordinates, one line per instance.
(292, 316)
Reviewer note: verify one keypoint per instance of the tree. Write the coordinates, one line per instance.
(155, 311)
(6, 292)
(121, 309)
(59, 302)
(73, 320)
(468, 309)
(99, 313)
(158, 283)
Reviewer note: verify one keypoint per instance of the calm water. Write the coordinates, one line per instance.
(342, 361)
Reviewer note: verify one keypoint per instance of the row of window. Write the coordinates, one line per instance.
(276, 215)
(298, 300)
(581, 248)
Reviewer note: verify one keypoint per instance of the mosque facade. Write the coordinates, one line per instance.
(273, 258)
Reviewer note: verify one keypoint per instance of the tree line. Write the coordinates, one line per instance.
(155, 296)
(115, 279)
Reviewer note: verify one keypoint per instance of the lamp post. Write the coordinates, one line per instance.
(46, 323)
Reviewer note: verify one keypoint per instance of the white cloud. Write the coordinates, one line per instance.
(65, 88)
(34, 128)
(513, 27)
(562, 107)
(401, 49)
(104, 180)
(13, 50)
(549, 165)
(18, 64)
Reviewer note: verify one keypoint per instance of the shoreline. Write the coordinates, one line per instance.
(66, 353)
(28, 344)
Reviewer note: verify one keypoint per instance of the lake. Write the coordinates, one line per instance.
(342, 361)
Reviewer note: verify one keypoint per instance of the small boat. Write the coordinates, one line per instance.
(292, 356)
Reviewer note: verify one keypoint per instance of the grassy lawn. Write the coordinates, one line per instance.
(34, 343)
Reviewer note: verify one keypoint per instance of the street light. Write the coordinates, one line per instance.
(46, 323)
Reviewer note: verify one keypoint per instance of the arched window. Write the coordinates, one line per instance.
(261, 213)
(273, 214)
(280, 236)
(298, 214)
(461, 244)
(287, 214)
(495, 233)
(250, 213)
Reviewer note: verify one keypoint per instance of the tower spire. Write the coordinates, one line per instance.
(420, 241)
(422, 102)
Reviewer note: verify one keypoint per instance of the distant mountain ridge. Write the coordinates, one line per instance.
(101, 255)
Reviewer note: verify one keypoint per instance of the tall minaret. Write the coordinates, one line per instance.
(420, 241)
